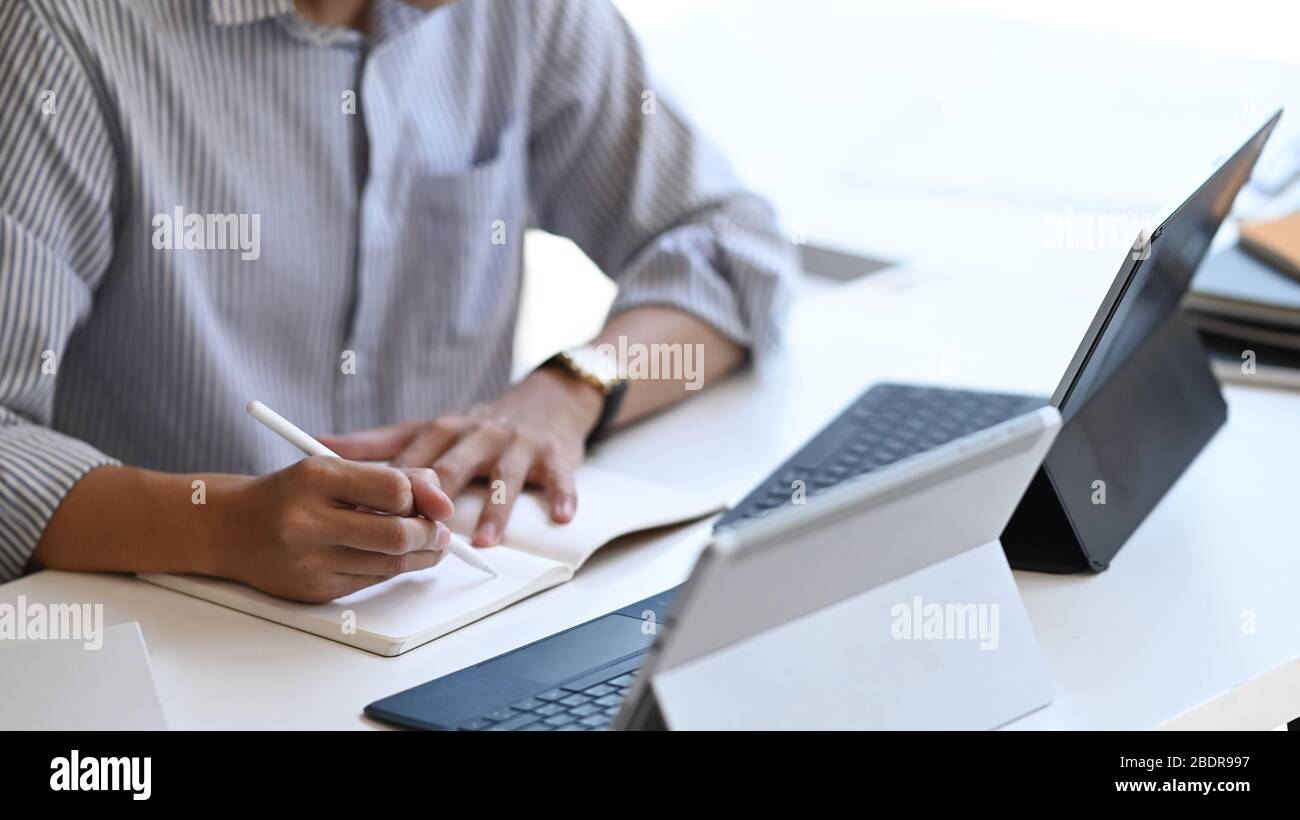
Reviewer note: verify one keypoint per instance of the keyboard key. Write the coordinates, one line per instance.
(548, 709)
(609, 700)
(572, 727)
(624, 680)
(584, 710)
(476, 725)
(527, 705)
(603, 675)
(611, 711)
(554, 694)
(560, 720)
(576, 699)
(599, 690)
(885, 425)
(501, 714)
(596, 721)
(524, 719)
(537, 727)
(788, 478)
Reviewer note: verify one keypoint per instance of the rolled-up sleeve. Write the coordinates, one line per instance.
(56, 188)
(615, 169)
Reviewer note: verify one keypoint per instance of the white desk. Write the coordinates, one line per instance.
(1159, 634)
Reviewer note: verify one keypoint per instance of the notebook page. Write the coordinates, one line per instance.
(610, 505)
(399, 613)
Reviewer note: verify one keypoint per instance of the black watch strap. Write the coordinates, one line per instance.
(613, 401)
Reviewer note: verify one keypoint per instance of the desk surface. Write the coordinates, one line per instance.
(946, 137)
(1198, 610)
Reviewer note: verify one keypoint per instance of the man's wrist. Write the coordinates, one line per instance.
(206, 510)
(586, 399)
(223, 528)
(128, 519)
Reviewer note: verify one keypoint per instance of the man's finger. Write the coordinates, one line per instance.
(561, 494)
(430, 501)
(378, 444)
(505, 483)
(373, 532)
(353, 484)
(470, 456)
(432, 441)
(364, 562)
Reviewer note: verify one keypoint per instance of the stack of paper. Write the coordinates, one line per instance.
(1248, 314)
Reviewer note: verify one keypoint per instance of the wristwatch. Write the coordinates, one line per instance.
(600, 370)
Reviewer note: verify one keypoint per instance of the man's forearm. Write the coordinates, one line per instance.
(125, 519)
(704, 356)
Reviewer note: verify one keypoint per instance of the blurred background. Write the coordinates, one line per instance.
(986, 140)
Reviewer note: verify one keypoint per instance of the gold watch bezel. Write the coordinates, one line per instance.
(572, 363)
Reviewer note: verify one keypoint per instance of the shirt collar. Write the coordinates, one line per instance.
(239, 12)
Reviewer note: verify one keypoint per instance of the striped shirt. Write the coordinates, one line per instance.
(206, 201)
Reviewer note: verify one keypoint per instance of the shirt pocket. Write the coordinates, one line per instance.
(472, 226)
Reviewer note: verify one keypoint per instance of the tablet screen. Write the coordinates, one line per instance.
(1154, 277)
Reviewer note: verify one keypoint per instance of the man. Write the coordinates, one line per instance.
(320, 203)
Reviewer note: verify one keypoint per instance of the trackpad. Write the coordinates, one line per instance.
(579, 650)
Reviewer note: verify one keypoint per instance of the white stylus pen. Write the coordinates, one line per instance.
(288, 431)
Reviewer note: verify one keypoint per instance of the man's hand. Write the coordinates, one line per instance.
(315, 531)
(534, 433)
(325, 527)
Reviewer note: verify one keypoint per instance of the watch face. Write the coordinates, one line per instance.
(596, 363)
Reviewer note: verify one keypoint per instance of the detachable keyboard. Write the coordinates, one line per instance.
(884, 425)
(566, 708)
(573, 680)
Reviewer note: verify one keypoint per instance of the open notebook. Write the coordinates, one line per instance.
(536, 554)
